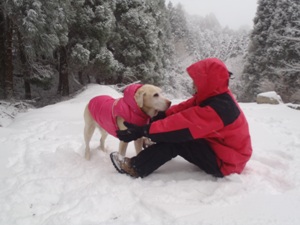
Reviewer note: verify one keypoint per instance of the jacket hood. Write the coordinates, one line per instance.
(210, 76)
(128, 97)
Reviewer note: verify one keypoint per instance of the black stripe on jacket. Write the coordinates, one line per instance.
(175, 136)
(222, 104)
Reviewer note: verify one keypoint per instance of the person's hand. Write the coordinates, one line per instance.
(132, 132)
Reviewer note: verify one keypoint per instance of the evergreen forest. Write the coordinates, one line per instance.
(53, 49)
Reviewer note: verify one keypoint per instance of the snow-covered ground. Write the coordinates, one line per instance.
(45, 180)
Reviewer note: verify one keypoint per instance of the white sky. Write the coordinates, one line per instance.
(231, 13)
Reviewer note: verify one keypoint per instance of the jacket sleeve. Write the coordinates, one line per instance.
(181, 106)
(189, 124)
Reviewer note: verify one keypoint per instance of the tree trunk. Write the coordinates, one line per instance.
(80, 77)
(2, 54)
(9, 90)
(25, 66)
(63, 85)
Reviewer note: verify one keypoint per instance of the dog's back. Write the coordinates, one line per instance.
(101, 108)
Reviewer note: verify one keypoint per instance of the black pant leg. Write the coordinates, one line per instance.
(197, 152)
(152, 158)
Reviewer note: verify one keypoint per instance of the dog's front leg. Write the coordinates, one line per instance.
(138, 144)
(103, 138)
(122, 148)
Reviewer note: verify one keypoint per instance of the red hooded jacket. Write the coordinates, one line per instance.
(212, 114)
(104, 109)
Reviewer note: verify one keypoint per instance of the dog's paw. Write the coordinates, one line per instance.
(87, 156)
(147, 142)
(102, 148)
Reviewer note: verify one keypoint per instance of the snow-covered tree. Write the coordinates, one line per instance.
(272, 51)
(6, 59)
(139, 39)
(283, 52)
(104, 41)
(177, 17)
(34, 44)
(37, 32)
(90, 36)
(2, 53)
(256, 63)
(196, 38)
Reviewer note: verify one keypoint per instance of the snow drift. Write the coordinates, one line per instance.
(46, 180)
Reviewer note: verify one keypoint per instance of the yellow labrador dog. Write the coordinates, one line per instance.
(138, 105)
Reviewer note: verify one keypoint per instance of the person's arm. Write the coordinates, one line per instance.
(181, 106)
(192, 123)
(174, 109)
(196, 122)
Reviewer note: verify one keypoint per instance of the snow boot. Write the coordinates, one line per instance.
(123, 164)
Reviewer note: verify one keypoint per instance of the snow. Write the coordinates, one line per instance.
(44, 178)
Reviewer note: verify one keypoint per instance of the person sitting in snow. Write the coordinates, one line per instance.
(208, 130)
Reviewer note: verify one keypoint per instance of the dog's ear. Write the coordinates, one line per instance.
(139, 98)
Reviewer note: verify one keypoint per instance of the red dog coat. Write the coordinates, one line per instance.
(105, 109)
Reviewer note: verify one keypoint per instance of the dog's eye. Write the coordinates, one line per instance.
(156, 95)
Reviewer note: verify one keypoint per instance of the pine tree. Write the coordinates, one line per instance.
(271, 52)
(6, 57)
(256, 64)
(208, 39)
(32, 43)
(91, 33)
(2, 52)
(104, 41)
(164, 55)
(282, 52)
(64, 17)
(178, 21)
(138, 40)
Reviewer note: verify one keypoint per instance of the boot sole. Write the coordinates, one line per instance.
(113, 158)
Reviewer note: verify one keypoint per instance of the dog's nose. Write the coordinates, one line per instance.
(169, 103)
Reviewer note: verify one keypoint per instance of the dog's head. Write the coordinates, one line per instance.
(150, 99)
